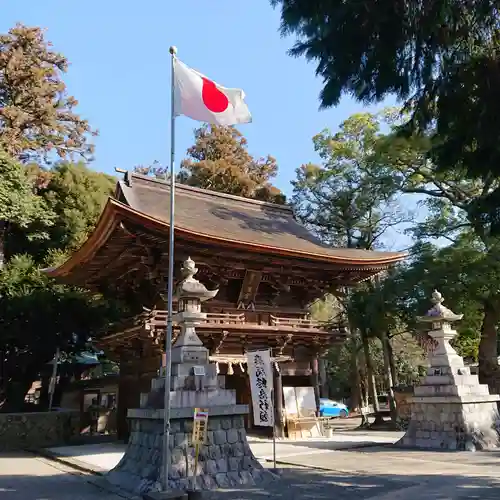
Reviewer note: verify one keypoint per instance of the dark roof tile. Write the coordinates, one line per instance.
(231, 217)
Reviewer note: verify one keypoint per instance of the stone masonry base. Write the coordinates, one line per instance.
(452, 426)
(226, 460)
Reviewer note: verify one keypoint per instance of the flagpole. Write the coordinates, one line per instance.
(170, 289)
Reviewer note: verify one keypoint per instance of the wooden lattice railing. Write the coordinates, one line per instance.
(295, 322)
(158, 319)
(226, 318)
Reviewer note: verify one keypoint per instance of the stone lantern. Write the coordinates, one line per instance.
(441, 320)
(190, 293)
(451, 410)
(227, 458)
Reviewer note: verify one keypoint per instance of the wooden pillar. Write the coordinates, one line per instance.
(315, 379)
(278, 402)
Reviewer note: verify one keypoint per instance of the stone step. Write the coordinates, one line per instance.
(451, 390)
(158, 383)
(452, 379)
(186, 399)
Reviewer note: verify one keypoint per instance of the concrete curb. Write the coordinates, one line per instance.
(72, 462)
(94, 476)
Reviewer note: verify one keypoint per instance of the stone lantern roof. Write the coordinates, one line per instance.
(190, 287)
(438, 312)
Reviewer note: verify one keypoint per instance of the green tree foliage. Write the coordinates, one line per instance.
(441, 58)
(346, 204)
(341, 201)
(72, 196)
(465, 271)
(409, 361)
(49, 213)
(451, 201)
(36, 114)
(20, 207)
(463, 274)
(45, 213)
(77, 195)
(219, 160)
(37, 316)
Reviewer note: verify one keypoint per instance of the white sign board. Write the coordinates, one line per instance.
(306, 401)
(290, 401)
(261, 385)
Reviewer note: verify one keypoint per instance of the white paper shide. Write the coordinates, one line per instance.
(261, 385)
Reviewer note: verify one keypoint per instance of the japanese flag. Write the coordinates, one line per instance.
(202, 99)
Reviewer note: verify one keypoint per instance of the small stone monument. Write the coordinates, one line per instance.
(226, 459)
(451, 410)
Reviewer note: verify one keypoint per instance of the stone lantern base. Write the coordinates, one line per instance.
(225, 461)
(460, 416)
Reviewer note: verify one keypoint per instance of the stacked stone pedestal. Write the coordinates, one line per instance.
(225, 459)
(451, 410)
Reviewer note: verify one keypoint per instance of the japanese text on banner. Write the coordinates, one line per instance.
(261, 385)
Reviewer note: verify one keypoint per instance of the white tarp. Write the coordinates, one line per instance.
(261, 385)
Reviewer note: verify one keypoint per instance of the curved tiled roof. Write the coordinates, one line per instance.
(232, 218)
(218, 220)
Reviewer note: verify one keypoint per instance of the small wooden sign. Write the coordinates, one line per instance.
(200, 421)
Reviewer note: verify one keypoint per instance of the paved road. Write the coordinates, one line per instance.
(384, 474)
(371, 474)
(25, 477)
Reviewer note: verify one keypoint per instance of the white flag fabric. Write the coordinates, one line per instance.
(201, 99)
(261, 386)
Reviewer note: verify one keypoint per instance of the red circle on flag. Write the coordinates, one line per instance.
(215, 100)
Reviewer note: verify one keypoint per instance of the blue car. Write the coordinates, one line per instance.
(332, 409)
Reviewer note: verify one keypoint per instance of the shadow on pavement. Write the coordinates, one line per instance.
(26, 482)
(299, 483)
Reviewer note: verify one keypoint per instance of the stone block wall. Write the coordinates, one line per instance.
(224, 461)
(38, 430)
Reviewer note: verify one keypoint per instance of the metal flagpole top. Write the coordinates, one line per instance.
(173, 50)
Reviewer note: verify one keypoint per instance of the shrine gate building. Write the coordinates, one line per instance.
(268, 269)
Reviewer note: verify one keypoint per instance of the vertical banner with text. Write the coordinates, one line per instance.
(261, 385)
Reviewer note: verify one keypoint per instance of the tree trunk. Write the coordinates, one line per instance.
(323, 379)
(356, 397)
(363, 398)
(489, 372)
(392, 363)
(372, 386)
(384, 339)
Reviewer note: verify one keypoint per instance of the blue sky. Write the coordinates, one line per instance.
(120, 74)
